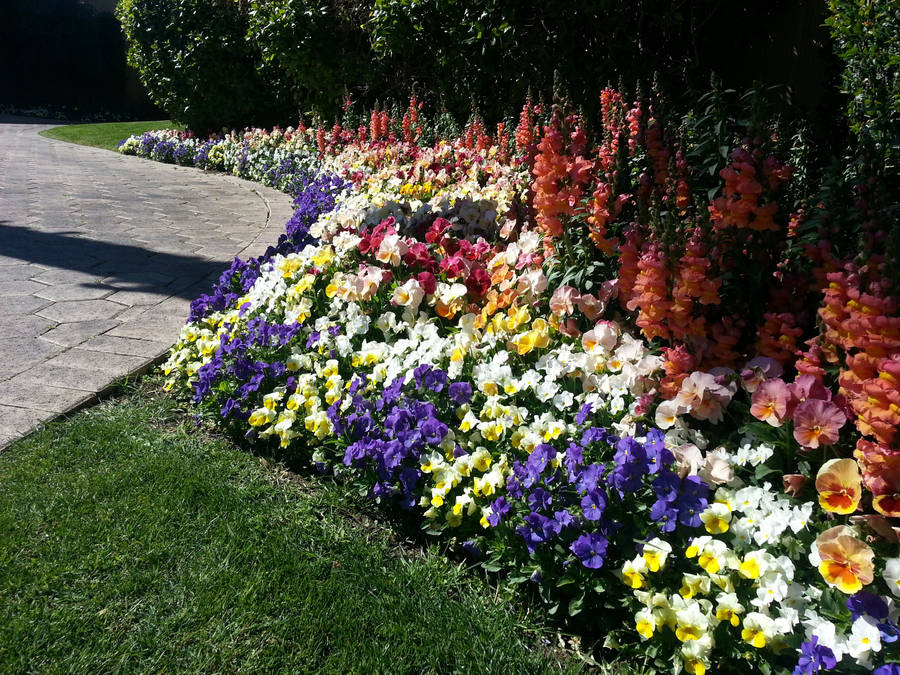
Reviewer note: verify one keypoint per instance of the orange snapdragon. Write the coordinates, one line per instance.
(740, 206)
(650, 293)
(561, 174)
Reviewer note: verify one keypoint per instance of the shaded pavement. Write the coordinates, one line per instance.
(100, 256)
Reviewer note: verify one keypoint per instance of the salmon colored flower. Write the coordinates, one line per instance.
(569, 327)
(532, 283)
(590, 306)
(846, 562)
(793, 483)
(817, 422)
(770, 402)
(881, 475)
(839, 485)
(879, 525)
(807, 387)
(563, 301)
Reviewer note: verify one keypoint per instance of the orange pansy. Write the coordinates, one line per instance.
(847, 562)
(839, 485)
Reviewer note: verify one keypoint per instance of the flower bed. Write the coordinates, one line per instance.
(581, 371)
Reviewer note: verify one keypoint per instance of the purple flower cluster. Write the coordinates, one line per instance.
(289, 175)
(814, 657)
(249, 371)
(678, 500)
(164, 151)
(875, 608)
(201, 157)
(233, 282)
(319, 196)
(148, 142)
(574, 500)
(390, 441)
(243, 159)
(183, 154)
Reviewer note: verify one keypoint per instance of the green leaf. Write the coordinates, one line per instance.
(576, 605)
(762, 471)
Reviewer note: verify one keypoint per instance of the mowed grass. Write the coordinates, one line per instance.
(131, 541)
(107, 135)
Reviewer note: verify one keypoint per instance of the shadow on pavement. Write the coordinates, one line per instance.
(125, 267)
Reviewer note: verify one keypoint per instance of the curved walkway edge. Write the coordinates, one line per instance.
(100, 256)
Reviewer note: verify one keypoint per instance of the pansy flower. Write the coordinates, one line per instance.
(839, 485)
(590, 548)
(593, 504)
(846, 562)
(814, 657)
(770, 402)
(817, 422)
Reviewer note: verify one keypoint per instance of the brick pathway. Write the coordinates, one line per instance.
(100, 256)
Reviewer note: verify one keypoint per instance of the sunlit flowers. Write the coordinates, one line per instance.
(633, 572)
(846, 562)
(839, 485)
(817, 422)
(891, 575)
(716, 518)
(757, 629)
(655, 553)
(770, 402)
(563, 301)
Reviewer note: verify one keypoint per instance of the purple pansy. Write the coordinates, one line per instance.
(590, 548)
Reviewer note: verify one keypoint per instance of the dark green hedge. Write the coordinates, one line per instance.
(195, 60)
(67, 56)
(315, 51)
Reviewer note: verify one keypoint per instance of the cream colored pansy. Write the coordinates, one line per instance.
(655, 553)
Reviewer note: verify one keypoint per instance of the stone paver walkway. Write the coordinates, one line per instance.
(100, 256)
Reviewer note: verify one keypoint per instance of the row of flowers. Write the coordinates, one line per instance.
(613, 438)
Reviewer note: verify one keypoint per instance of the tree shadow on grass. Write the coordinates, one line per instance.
(121, 266)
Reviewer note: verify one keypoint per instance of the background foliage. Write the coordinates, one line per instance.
(467, 51)
(459, 55)
(196, 63)
(66, 53)
(313, 51)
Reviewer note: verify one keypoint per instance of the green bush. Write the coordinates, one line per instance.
(866, 40)
(195, 61)
(473, 51)
(316, 51)
(491, 52)
(865, 36)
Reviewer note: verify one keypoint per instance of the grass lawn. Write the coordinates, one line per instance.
(106, 135)
(132, 541)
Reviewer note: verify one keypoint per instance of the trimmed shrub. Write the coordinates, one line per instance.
(195, 61)
(314, 51)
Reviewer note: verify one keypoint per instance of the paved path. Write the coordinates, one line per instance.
(100, 256)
